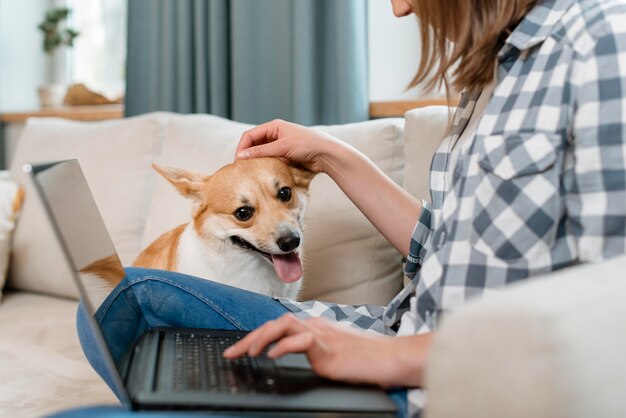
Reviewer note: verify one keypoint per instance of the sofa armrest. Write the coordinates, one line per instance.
(550, 347)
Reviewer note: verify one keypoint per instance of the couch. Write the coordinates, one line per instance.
(545, 348)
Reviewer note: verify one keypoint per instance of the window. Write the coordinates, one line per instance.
(98, 58)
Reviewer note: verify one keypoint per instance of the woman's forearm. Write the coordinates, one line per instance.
(391, 209)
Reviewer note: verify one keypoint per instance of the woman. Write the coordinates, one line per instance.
(530, 179)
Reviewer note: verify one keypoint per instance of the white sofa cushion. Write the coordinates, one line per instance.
(43, 367)
(115, 157)
(345, 259)
(550, 347)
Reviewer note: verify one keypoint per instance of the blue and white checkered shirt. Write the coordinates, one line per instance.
(541, 186)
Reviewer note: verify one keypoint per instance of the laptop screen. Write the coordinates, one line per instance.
(81, 232)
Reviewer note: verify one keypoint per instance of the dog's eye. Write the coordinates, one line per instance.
(284, 194)
(244, 213)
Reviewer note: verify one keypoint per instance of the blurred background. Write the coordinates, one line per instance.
(308, 61)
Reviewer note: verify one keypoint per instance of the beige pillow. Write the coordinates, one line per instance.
(115, 157)
(424, 130)
(346, 260)
(11, 197)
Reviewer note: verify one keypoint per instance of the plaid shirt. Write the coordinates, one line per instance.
(542, 185)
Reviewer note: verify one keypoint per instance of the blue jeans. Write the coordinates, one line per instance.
(148, 298)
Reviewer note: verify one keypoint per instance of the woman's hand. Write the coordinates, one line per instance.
(300, 145)
(340, 353)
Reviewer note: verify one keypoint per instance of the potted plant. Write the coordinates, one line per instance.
(57, 37)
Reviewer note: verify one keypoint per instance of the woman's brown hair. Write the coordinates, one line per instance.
(477, 28)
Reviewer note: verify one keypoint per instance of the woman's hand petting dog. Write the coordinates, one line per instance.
(297, 144)
(340, 353)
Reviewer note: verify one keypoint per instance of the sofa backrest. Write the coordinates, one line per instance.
(346, 260)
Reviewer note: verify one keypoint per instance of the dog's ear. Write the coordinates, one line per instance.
(301, 176)
(188, 183)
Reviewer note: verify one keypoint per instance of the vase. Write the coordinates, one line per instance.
(58, 65)
(51, 95)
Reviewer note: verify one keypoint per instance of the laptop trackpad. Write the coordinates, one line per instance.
(293, 361)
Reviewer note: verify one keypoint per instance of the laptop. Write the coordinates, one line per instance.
(180, 368)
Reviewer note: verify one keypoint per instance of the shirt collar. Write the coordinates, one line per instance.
(536, 26)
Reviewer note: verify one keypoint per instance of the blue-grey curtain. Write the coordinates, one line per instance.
(249, 60)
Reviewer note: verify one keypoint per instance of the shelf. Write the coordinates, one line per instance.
(84, 113)
(398, 108)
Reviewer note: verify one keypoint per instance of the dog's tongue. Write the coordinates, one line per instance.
(288, 267)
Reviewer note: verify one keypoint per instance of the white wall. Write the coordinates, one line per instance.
(394, 50)
(22, 60)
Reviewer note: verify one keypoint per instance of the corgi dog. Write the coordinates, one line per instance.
(245, 229)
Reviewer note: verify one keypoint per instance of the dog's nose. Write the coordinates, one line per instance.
(289, 242)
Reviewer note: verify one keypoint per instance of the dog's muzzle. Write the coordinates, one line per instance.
(288, 266)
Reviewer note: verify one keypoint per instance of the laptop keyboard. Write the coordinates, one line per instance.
(199, 365)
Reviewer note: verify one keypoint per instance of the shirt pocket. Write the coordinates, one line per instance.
(516, 196)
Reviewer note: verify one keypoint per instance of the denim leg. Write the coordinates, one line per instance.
(149, 298)
(399, 397)
(107, 411)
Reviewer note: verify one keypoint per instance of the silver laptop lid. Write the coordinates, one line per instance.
(85, 242)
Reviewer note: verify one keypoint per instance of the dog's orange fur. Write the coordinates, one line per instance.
(161, 254)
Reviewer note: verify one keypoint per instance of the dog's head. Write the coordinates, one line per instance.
(254, 205)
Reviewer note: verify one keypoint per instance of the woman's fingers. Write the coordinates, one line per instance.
(297, 343)
(285, 325)
(241, 347)
(254, 343)
(259, 135)
(289, 142)
(272, 149)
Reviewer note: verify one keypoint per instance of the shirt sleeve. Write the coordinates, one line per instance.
(596, 202)
(420, 241)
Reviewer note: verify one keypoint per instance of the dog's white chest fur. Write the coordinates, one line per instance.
(222, 262)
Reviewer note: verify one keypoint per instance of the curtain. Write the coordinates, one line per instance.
(249, 60)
